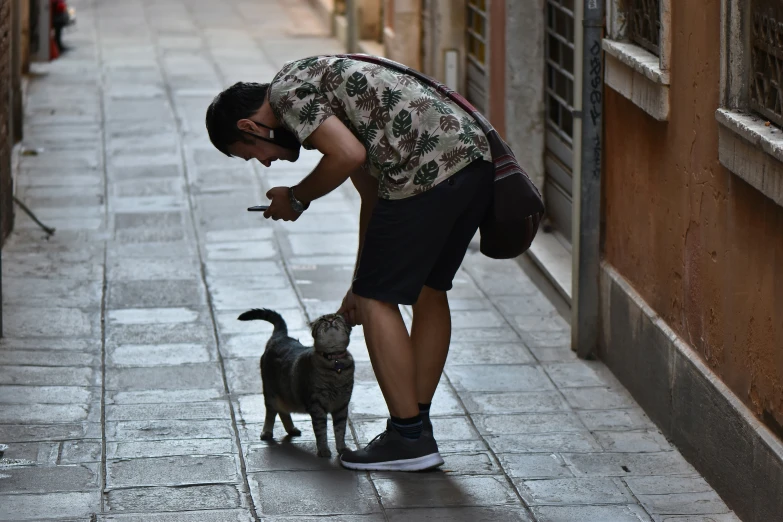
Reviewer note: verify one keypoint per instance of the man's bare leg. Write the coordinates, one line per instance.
(430, 335)
(391, 354)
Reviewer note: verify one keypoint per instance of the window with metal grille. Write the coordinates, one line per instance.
(766, 67)
(644, 27)
(560, 66)
(477, 32)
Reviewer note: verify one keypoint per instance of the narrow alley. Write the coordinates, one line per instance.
(130, 392)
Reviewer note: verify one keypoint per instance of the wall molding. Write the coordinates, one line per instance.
(713, 429)
(752, 150)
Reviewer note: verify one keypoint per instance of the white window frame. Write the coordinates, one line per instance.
(632, 70)
(749, 146)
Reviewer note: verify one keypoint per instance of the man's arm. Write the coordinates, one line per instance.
(343, 155)
(367, 186)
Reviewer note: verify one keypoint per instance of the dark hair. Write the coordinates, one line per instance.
(239, 101)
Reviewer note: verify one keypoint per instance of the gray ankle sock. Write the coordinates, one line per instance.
(408, 428)
(424, 413)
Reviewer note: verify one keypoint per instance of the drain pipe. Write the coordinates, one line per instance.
(352, 23)
(587, 247)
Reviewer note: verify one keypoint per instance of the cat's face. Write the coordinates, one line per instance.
(331, 333)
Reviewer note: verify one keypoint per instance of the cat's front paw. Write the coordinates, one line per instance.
(294, 432)
(324, 453)
(342, 449)
(267, 435)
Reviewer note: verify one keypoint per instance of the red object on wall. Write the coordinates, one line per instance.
(54, 52)
(57, 7)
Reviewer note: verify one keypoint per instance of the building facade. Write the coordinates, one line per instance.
(690, 292)
(14, 63)
(692, 287)
(6, 131)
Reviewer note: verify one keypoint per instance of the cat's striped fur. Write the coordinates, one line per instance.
(317, 379)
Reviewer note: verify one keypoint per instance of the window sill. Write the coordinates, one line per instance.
(752, 151)
(636, 74)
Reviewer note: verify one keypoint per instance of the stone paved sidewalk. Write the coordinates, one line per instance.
(131, 393)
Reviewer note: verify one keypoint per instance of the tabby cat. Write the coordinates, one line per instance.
(307, 379)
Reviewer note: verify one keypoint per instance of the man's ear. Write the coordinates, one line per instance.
(246, 125)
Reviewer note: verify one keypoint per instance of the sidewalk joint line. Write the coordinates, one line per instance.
(202, 267)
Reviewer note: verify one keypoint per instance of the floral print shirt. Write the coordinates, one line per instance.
(415, 137)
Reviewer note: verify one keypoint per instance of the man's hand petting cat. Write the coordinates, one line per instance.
(280, 205)
(348, 309)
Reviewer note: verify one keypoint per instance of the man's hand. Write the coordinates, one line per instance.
(280, 205)
(348, 309)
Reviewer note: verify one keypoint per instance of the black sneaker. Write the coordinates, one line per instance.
(390, 451)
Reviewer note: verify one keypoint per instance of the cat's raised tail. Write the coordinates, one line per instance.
(266, 315)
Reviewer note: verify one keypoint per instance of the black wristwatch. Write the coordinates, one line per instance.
(296, 205)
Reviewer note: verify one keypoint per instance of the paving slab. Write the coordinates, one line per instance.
(25, 321)
(27, 394)
(169, 447)
(153, 269)
(44, 413)
(135, 355)
(705, 503)
(518, 423)
(445, 490)
(79, 505)
(200, 375)
(214, 515)
(179, 411)
(577, 491)
(647, 441)
(316, 493)
(47, 358)
(167, 429)
(174, 470)
(571, 442)
(49, 479)
(164, 396)
(11, 433)
(291, 455)
(629, 464)
(460, 514)
(534, 466)
(49, 292)
(628, 513)
(43, 375)
(472, 463)
(187, 498)
(514, 402)
(80, 451)
(197, 332)
(40, 453)
(154, 294)
(598, 398)
(469, 354)
(498, 378)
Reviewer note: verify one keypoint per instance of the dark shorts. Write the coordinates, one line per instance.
(422, 240)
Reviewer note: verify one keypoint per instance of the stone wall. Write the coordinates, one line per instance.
(6, 187)
(525, 123)
(700, 245)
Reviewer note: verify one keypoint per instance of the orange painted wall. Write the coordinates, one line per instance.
(702, 247)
